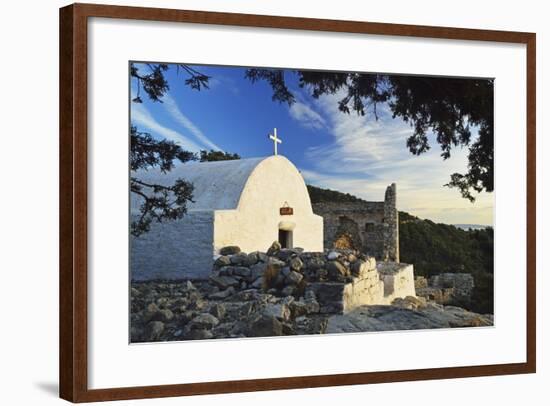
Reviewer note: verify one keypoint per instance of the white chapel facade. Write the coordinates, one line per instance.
(247, 202)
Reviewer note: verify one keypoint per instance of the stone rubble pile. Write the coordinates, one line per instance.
(446, 288)
(175, 311)
(287, 267)
(339, 279)
(284, 292)
(168, 311)
(280, 292)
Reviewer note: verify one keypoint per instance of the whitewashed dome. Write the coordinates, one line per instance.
(218, 185)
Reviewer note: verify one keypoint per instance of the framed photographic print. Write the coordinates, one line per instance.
(256, 202)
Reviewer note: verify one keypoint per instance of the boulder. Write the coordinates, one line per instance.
(337, 271)
(296, 264)
(310, 325)
(197, 304)
(420, 282)
(203, 321)
(257, 270)
(257, 283)
(262, 256)
(251, 259)
(223, 282)
(265, 326)
(238, 259)
(153, 330)
(222, 294)
(285, 271)
(162, 315)
(199, 334)
(303, 307)
(321, 275)
(230, 250)
(281, 311)
(293, 278)
(241, 271)
(274, 249)
(186, 316)
(288, 290)
(329, 295)
(225, 271)
(217, 310)
(275, 262)
(150, 311)
(285, 253)
(222, 260)
(316, 263)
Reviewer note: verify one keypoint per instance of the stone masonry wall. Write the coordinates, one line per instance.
(370, 227)
(391, 225)
(340, 280)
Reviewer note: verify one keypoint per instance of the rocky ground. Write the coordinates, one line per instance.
(184, 310)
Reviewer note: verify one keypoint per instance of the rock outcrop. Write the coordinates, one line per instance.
(406, 314)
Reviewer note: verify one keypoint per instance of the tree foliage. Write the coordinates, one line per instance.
(320, 195)
(208, 156)
(159, 202)
(154, 82)
(439, 248)
(449, 107)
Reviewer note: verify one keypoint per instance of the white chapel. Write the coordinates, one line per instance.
(247, 202)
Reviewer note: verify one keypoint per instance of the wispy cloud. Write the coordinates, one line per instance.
(141, 116)
(172, 108)
(227, 83)
(366, 155)
(304, 114)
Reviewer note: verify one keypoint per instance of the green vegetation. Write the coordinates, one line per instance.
(319, 195)
(210, 156)
(435, 248)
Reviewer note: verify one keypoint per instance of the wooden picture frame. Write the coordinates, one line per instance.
(73, 199)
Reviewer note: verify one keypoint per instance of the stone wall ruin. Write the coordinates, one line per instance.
(340, 280)
(446, 288)
(369, 227)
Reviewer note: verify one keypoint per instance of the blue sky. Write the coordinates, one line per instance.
(345, 152)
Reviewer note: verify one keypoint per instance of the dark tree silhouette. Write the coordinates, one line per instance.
(159, 202)
(447, 106)
(208, 156)
(155, 85)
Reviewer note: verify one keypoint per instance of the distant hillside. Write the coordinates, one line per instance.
(320, 195)
(470, 226)
(435, 248)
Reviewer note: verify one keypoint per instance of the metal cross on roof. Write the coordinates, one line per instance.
(275, 139)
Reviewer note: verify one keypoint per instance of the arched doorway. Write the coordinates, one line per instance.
(286, 231)
(347, 235)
